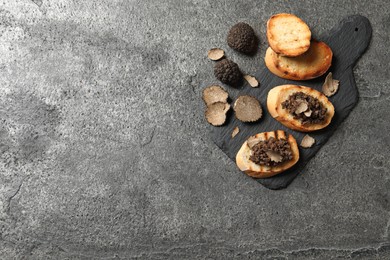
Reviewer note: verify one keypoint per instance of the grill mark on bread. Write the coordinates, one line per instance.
(282, 134)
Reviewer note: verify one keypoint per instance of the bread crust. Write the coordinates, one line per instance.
(262, 171)
(281, 93)
(269, 62)
(312, 64)
(288, 35)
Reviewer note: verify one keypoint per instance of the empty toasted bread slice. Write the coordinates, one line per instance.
(288, 35)
(254, 170)
(305, 120)
(269, 62)
(312, 64)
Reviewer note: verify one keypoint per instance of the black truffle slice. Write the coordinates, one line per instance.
(216, 113)
(213, 94)
(227, 72)
(242, 38)
(247, 109)
(216, 54)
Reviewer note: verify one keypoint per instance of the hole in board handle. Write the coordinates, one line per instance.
(356, 29)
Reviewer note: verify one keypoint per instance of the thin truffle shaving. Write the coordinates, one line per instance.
(247, 109)
(216, 54)
(330, 86)
(213, 94)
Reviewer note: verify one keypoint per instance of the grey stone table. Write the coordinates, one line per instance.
(105, 154)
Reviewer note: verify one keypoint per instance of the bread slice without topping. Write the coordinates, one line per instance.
(279, 94)
(312, 64)
(262, 171)
(288, 35)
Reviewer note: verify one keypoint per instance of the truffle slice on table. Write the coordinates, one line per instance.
(242, 38)
(247, 109)
(213, 94)
(228, 72)
(215, 54)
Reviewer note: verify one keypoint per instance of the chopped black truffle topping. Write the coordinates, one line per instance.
(307, 109)
(241, 37)
(227, 72)
(271, 152)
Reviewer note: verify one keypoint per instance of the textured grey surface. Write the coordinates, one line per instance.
(104, 152)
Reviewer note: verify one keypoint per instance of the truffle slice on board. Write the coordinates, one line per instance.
(252, 81)
(330, 86)
(216, 113)
(247, 109)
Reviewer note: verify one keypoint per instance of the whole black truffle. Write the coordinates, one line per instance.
(242, 38)
(227, 72)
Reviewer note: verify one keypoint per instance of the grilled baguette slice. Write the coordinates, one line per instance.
(279, 94)
(261, 171)
(312, 64)
(288, 35)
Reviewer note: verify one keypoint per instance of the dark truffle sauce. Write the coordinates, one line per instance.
(318, 111)
(281, 147)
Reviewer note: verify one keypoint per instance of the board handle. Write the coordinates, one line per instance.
(349, 39)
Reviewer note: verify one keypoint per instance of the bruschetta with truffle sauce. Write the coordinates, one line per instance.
(267, 154)
(300, 108)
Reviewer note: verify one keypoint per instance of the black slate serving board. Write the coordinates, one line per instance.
(348, 41)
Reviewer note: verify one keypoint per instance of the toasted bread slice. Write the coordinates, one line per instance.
(288, 35)
(261, 171)
(279, 94)
(312, 64)
(269, 62)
